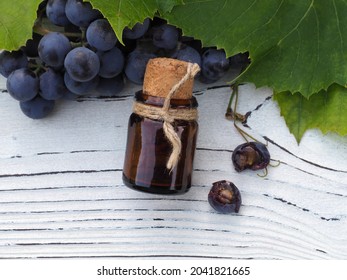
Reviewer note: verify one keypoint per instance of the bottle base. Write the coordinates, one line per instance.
(168, 190)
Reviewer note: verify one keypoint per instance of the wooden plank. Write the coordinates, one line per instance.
(61, 192)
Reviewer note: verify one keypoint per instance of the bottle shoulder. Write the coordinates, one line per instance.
(140, 96)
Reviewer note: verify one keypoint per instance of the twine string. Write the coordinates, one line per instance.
(169, 115)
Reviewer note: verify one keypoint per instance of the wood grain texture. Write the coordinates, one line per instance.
(61, 191)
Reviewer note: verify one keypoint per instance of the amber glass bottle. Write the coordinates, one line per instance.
(148, 149)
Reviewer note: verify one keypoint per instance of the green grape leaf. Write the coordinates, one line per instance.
(122, 13)
(165, 6)
(296, 46)
(325, 110)
(16, 22)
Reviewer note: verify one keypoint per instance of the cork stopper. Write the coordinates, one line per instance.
(162, 74)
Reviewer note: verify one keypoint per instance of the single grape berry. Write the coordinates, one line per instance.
(82, 64)
(165, 36)
(55, 11)
(37, 108)
(81, 88)
(214, 65)
(136, 66)
(80, 13)
(111, 63)
(22, 84)
(187, 53)
(31, 46)
(138, 30)
(225, 197)
(10, 61)
(52, 85)
(251, 155)
(240, 60)
(53, 48)
(100, 35)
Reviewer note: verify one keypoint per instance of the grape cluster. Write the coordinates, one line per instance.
(74, 52)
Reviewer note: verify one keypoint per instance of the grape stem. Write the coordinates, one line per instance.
(230, 113)
(265, 173)
(77, 44)
(41, 12)
(233, 115)
(39, 29)
(37, 67)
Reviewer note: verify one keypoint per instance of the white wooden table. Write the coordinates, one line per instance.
(61, 190)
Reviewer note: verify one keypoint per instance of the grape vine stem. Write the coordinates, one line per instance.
(233, 115)
(39, 29)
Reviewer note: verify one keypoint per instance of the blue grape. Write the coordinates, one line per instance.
(52, 85)
(110, 87)
(71, 96)
(37, 108)
(240, 60)
(32, 45)
(225, 197)
(80, 88)
(250, 155)
(53, 48)
(111, 63)
(189, 54)
(55, 11)
(136, 66)
(165, 36)
(10, 61)
(22, 84)
(82, 64)
(138, 30)
(81, 13)
(214, 65)
(100, 35)
(191, 42)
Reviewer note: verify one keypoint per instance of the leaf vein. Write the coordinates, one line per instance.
(298, 24)
(265, 24)
(318, 50)
(8, 33)
(338, 26)
(297, 54)
(299, 117)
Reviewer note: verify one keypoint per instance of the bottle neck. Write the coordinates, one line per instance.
(159, 101)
